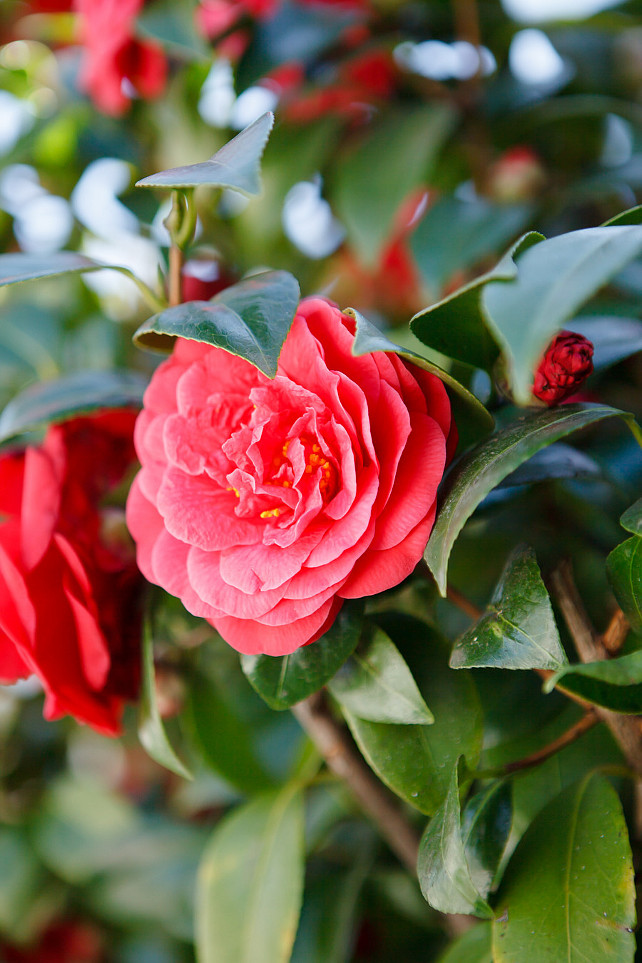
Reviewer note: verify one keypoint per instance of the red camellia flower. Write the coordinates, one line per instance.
(69, 586)
(564, 368)
(116, 64)
(263, 504)
(65, 941)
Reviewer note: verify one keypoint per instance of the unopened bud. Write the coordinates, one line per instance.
(566, 365)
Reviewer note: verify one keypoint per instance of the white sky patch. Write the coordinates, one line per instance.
(618, 142)
(445, 61)
(42, 222)
(540, 11)
(16, 119)
(534, 60)
(119, 295)
(217, 94)
(308, 220)
(250, 105)
(95, 198)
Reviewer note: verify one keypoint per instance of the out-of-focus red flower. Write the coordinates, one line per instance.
(215, 18)
(116, 65)
(203, 277)
(566, 365)
(262, 504)
(360, 83)
(63, 942)
(69, 587)
(518, 175)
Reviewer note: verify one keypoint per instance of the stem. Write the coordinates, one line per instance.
(175, 277)
(459, 599)
(154, 302)
(588, 720)
(626, 730)
(616, 632)
(346, 763)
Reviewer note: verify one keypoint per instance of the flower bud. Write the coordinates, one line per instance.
(567, 363)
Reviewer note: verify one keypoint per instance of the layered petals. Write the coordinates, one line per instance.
(262, 504)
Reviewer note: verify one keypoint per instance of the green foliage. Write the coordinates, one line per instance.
(624, 569)
(250, 883)
(616, 684)
(577, 840)
(518, 630)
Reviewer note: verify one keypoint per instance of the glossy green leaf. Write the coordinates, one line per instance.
(376, 684)
(474, 946)
(632, 216)
(624, 570)
(250, 319)
(456, 234)
(555, 278)
(151, 730)
(568, 892)
(481, 469)
(444, 875)
(27, 267)
(631, 520)
(250, 883)
(285, 680)
(556, 461)
(372, 181)
(369, 338)
(415, 761)
(485, 827)
(518, 630)
(235, 166)
(456, 326)
(615, 683)
(223, 738)
(77, 394)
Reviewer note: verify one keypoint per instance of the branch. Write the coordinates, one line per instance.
(626, 730)
(345, 762)
(588, 720)
(616, 632)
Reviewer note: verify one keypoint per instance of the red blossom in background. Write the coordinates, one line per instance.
(564, 368)
(69, 587)
(114, 59)
(66, 941)
(262, 504)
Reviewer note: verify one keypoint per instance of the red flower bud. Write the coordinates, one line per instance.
(566, 365)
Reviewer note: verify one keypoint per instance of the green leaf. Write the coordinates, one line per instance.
(568, 893)
(614, 684)
(554, 279)
(250, 883)
(632, 216)
(151, 731)
(415, 761)
(442, 869)
(250, 319)
(472, 947)
(369, 338)
(631, 520)
(69, 397)
(372, 181)
(456, 326)
(282, 681)
(27, 267)
(455, 235)
(23, 885)
(376, 684)
(486, 825)
(624, 570)
(235, 166)
(518, 630)
(223, 737)
(556, 461)
(481, 469)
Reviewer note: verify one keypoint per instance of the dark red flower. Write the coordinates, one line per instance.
(564, 368)
(66, 941)
(69, 587)
(117, 66)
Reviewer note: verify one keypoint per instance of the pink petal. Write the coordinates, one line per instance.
(377, 571)
(260, 568)
(205, 579)
(254, 638)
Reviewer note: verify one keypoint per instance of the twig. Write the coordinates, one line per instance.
(346, 763)
(588, 720)
(175, 277)
(626, 730)
(616, 632)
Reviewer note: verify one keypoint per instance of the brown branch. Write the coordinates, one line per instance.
(616, 632)
(175, 278)
(588, 720)
(459, 599)
(626, 730)
(345, 762)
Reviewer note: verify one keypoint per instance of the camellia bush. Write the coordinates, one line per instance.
(320, 475)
